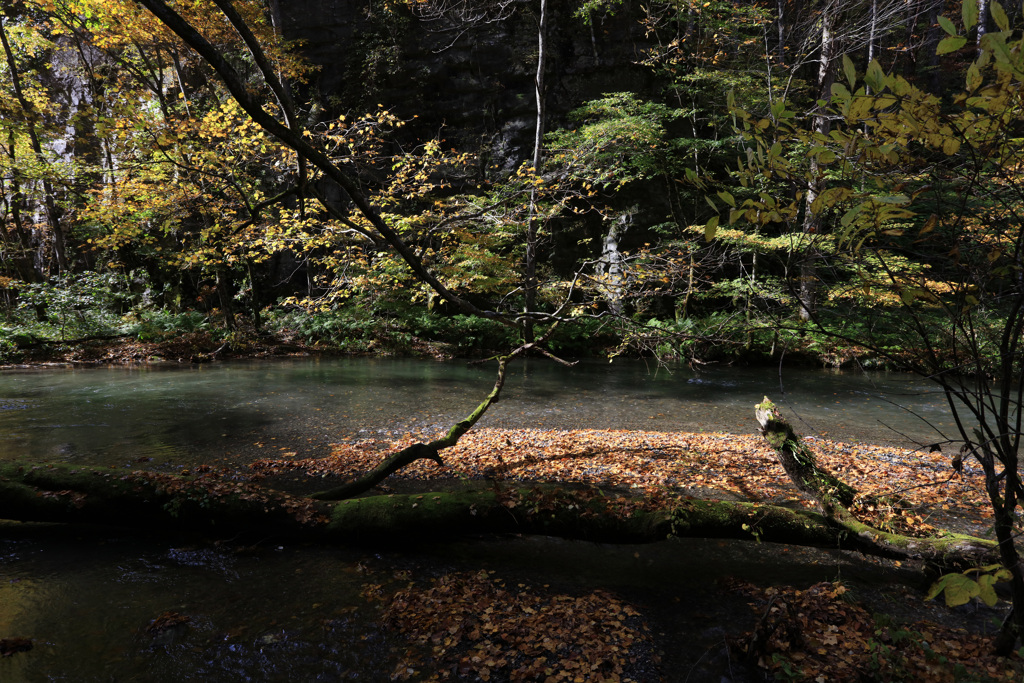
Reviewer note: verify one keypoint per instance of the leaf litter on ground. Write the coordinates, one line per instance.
(910, 491)
(816, 634)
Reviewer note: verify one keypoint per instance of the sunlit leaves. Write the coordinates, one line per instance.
(959, 589)
(618, 139)
(655, 463)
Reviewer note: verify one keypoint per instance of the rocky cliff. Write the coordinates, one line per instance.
(473, 84)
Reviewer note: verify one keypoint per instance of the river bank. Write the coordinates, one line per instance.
(277, 610)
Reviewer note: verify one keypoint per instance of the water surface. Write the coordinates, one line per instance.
(273, 611)
(179, 416)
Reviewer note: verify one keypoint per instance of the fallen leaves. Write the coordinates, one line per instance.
(820, 634)
(907, 491)
(473, 625)
(814, 634)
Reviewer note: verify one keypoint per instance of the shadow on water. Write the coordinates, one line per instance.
(281, 612)
(184, 416)
(297, 613)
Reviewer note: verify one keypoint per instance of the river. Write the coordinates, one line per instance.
(273, 611)
(183, 416)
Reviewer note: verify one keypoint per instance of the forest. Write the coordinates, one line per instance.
(732, 199)
(823, 182)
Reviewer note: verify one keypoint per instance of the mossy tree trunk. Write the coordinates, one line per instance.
(834, 497)
(212, 505)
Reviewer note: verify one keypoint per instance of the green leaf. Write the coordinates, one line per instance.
(947, 25)
(893, 199)
(999, 15)
(875, 77)
(986, 591)
(958, 588)
(995, 43)
(710, 229)
(950, 44)
(848, 217)
(973, 78)
(970, 14)
(711, 203)
(937, 587)
(840, 93)
(727, 198)
(850, 70)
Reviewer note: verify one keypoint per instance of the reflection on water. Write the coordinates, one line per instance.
(179, 416)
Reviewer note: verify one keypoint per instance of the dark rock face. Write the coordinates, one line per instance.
(471, 86)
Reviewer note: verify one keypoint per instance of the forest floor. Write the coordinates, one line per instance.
(816, 633)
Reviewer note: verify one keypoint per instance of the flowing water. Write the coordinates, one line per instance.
(273, 611)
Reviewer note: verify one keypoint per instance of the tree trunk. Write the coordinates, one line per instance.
(532, 229)
(982, 21)
(30, 114)
(610, 267)
(812, 225)
(206, 505)
(834, 497)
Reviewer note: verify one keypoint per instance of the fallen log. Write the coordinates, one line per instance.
(213, 506)
(834, 498)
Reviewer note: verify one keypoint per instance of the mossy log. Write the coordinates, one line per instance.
(834, 498)
(832, 495)
(214, 507)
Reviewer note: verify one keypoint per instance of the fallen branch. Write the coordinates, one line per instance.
(419, 451)
(431, 451)
(834, 498)
(154, 502)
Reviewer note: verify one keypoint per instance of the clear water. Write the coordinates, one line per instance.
(281, 612)
(180, 416)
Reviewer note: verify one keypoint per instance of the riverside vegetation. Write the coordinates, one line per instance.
(846, 201)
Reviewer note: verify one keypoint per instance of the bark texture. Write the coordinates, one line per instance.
(834, 498)
(154, 502)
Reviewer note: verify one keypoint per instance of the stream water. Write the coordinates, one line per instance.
(279, 612)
